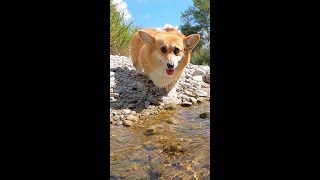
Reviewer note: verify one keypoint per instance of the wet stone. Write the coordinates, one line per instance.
(170, 100)
(132, 118)
(186, 104)
(118, 122)
(152, 130)
(171, 121)
(153, 100)
(204, 115)
(170, 107)
(127, 123)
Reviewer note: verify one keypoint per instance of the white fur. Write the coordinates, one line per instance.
(175, 60)
(160, 78)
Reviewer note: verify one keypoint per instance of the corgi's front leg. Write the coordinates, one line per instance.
(171, 89)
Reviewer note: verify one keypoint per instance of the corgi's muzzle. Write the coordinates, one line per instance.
(170, 69)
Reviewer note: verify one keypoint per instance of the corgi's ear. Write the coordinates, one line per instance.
(146, 38)
(191, 41)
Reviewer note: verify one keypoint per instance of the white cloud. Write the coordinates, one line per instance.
(122, 7)
(170, 26)
(167, 26)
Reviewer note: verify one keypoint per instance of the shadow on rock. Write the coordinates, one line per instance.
(132, 91)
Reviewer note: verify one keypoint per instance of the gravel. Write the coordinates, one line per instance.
(133, 95)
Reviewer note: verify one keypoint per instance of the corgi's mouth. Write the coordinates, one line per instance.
(170, 71)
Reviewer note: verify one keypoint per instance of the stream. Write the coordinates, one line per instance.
(174, 144)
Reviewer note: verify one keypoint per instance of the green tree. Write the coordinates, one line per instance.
(196, 19)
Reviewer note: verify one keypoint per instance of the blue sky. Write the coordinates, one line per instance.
(154, 13)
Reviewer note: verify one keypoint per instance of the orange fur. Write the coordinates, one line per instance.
(147, 57)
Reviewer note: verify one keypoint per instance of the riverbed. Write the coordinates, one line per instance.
(173, 144)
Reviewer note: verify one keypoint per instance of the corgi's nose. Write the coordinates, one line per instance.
(170, 66)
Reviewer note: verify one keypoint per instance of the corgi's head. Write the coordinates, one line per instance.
(168, 47)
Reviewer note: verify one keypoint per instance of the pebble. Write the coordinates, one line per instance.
(133, 95)
(197, 78)
(183, 96)
(194, 100)
(189, 93)
(126, 111)
(127, 122)
(201, 93)
(171, 121)
(198, 71)
(112, 99)
(170, 100)
(132, 118)
(119, 123)
(185, 84)
(153, 100)
(186, 104)
(151, 130)
(204, 115)
(207, 76)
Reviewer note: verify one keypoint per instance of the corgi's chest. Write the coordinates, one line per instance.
(162, 79)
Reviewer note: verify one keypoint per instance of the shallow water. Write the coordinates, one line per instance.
(174, 144)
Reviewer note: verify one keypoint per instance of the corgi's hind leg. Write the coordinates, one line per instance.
(139, 70)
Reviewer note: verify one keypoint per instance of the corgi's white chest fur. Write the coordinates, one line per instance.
(161, 79)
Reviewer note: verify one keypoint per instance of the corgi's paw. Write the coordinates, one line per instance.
(172, 93)
(140, 72)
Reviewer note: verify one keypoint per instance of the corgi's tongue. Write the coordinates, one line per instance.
(169, 71)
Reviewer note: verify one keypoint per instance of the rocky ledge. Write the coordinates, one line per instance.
(133, 96)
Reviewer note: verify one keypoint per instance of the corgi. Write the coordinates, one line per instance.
(162, 54)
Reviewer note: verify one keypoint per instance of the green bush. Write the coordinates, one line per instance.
(201, 57)
(120, 32)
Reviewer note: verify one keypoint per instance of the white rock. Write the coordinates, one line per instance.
(207, 76)
(127, 123)
(194, 100)
(170, 100)
(198, 72)
(132, 118)
(201, 93)
(186, 104)
(115, 95)
(126, 111)
(197, 78)
(112, 99)
(185, 84)
(184, 96)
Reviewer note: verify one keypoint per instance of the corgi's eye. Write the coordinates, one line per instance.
(176, 51)
(163, 50)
